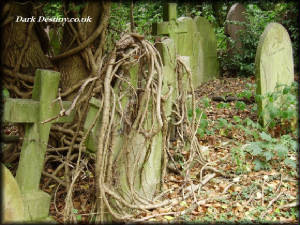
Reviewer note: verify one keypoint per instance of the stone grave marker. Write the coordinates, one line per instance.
(32, 112)
(149, 180)
(235, 14)
(13, 206)
(193, 38)
(205, 60)
(273, 62)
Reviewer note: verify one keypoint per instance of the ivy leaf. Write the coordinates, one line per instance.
(240, 105)
(265, 136)
(255, 149)
(269, 155)
(5, 93)
(290, 162)
(281, 150)
(258, 165)
(75, 211)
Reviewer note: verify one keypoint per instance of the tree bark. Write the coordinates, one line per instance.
(75, 68)
(20, 43)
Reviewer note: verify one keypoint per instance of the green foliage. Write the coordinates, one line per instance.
(238, 155)
(282, 108)
(240, 105)
(144, 15)
(5, 93)
(245, 94)
(53, 9)
(268, 148)
(257, 19)
(223, 105)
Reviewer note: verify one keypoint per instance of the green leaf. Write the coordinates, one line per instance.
(206, 102)
(237, 119)
(269, 155)
(266, 137)
(78, 217)
(281, 150)
(258, 165)
(169, 217)
(5, 93)
(290, 162)
(75, 211)
(240, 105)
(255, 149)
(222, 122)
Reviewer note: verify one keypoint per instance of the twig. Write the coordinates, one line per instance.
(270, 204)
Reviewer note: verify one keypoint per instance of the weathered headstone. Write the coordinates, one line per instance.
(236, 14)
(32, 112)
(273, 63)
(149, 181)
(205, 61)
(12, 202)
(193, 38)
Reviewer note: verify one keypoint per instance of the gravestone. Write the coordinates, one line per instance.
(205, 60)
(149, 180)
(32, 112)
(273, 63)
(13, 206)
(236, 14)
(194, 38)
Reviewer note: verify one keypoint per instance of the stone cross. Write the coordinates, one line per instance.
(32, 112)
(194, 38)
(169, 26)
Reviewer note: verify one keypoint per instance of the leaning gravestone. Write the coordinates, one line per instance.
(150, 178)
(273, 63)
(13, 206)
(193, 38)
(236, 14)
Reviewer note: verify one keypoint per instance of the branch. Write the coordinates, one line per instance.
(104, 19)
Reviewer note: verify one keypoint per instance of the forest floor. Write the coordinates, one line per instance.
(228, 188)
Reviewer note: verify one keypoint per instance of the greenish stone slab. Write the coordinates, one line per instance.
(273, 64)
(205, 64)
(194, 38)
(40, 108)
(29, 111)
(12, 202)
(170, 11)
(64, 119)
(92, 140)
(37, 134)
(20, 110)
(36, 205)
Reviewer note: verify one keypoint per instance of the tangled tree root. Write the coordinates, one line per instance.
(143, 115)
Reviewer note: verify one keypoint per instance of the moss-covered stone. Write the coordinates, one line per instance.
(194, 38)
(273, 63)
(33, 113)
(12, 202)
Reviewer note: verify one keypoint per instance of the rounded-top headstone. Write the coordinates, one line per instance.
(13, 206)
(236, 13)
(273, 62)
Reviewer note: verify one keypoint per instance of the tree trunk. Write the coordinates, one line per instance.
(76, 67)
(21, 45)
